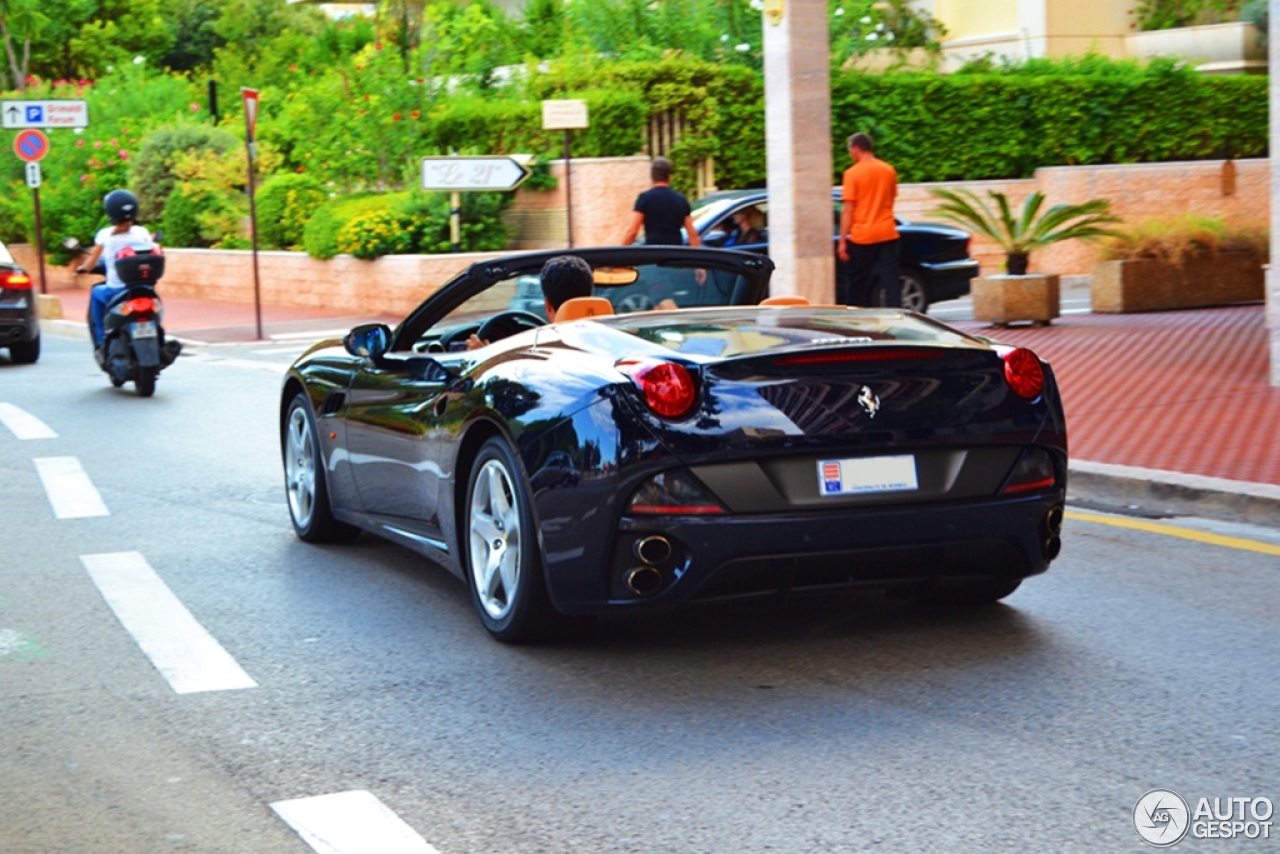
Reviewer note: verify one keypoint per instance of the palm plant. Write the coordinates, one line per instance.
(1017, 236)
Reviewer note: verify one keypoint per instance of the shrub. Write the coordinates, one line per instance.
(284, 204)
(1179, 238)
(153, 168)
(376, 233)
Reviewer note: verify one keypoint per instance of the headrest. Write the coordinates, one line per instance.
(579, 307)
(785, 299)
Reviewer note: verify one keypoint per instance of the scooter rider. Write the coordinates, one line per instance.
(121, 207)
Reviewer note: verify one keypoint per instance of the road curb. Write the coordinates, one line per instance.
(1153, 492)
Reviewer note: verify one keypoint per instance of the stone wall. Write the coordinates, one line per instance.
(604, 190)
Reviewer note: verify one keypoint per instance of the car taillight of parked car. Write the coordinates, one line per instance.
(15, 281)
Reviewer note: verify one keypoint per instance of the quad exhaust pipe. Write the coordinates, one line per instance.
(645, 580)
(1052, 544)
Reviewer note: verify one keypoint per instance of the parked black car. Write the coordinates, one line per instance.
(934, 258)
(19, 320)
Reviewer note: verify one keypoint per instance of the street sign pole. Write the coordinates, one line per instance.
(31, 145)
(35, 200)
(566, 115)
(457, 173)
(250, 127)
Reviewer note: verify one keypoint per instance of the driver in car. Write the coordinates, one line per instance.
(562, 278)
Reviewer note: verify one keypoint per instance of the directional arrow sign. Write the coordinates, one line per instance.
(472, 173)
(45, 114)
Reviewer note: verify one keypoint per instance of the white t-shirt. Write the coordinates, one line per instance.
(137, 238)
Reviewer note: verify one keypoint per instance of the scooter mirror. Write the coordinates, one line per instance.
(71, 243)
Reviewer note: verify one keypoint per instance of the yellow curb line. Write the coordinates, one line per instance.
(1173, 531)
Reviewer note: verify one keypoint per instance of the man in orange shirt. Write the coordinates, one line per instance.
(868, 232)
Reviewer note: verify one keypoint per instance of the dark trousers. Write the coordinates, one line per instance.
(873, 277)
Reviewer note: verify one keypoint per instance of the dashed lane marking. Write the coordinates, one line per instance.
(70, 492)
(166, 632)
(1175, 531)
(23, 424)
(354, 822)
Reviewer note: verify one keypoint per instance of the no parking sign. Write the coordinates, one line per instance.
(31, 145)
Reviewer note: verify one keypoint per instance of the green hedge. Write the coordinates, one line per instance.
(1005, 125)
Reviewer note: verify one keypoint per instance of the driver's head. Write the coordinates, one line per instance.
(565, 277)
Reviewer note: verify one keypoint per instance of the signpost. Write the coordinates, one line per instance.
(471, 173)
(250, 97)
(45, 114)
(31, 145)
(565, 115)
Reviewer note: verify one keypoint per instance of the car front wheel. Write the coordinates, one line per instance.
(503, 568)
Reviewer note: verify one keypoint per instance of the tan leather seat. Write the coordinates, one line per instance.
(785, 299)
(579, 307)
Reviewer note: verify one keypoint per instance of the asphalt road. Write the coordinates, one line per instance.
(346, 699)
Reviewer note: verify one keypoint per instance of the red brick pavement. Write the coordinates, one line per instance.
(1178, 391)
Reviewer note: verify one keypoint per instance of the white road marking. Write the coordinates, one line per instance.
(254, 364)
(354, 822)
(23, 424)
(179, 647)
(69, 489)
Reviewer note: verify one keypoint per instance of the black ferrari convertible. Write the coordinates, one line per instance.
(606, 461)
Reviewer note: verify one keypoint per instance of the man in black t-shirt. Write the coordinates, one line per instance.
(661, 212)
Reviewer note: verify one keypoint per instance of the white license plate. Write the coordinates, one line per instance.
(144, 329)
(861, 475)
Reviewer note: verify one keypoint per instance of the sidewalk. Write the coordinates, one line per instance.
(1168, 413)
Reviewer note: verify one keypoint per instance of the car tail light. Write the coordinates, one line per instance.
(138, 305)
(1023, 372)
(1034, 472)
(674, 493)
(15, 281)
(668, 388)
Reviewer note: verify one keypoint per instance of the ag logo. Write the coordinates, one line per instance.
(1161, 818)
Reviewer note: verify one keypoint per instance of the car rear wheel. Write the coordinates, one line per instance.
(503, 568)
(915, 296)
(25, 352)
(305, 486)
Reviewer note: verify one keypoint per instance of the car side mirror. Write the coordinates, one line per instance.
(369, 339)
(715, 237)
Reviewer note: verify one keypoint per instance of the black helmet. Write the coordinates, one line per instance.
(121, 206)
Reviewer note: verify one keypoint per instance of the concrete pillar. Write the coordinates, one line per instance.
(1273, 271)
(797, 89)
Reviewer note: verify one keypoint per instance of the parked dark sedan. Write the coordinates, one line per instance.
(934, 258)
(19, 319)
(632, 462)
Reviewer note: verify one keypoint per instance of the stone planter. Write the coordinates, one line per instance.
(1149, 285)
(1015, 299)
(1229, 48)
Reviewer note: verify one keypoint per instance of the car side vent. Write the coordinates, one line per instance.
(332, 403)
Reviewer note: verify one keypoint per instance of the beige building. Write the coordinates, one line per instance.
(1026, 29)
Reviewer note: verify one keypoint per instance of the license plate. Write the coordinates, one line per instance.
(144, 329)
(861, 475)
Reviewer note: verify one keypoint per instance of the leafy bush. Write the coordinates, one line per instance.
(1175, 239)
(414, 222)
(284, 204)
(154, 167)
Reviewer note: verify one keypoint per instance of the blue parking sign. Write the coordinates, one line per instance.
(35, 112)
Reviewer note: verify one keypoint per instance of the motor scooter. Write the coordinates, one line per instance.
(134, 347)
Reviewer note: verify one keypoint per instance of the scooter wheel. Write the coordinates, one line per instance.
(116, 381)
(146, 381)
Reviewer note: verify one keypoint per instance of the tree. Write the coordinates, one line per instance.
(20, 20)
